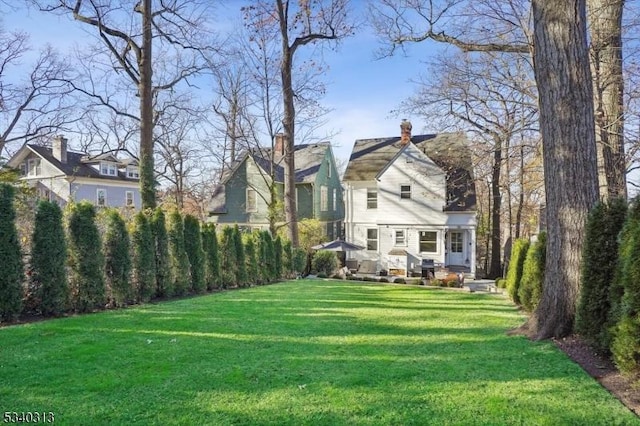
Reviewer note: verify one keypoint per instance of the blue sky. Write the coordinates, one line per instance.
(361, 90)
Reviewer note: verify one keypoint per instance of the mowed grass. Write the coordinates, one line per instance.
(302, 352)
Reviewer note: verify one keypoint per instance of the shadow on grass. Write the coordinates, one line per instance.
(300, 353)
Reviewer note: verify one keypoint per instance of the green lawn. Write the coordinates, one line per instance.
(301, 352)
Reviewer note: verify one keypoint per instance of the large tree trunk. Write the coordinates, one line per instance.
(495, 270)
(147, 178)
(561, 65)
(290, 212)
(605, 25)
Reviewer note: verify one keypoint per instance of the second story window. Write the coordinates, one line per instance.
(252, 200)
(372, 198)
(335, 199)
(33, 167)
(324, 198)
(405, 192)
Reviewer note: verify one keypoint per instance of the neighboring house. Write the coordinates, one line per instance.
(412, 198)
(243, 193)
(62, 176)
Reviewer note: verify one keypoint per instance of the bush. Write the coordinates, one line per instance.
(277, 248)
(241, 266)
(516, 263)
(530, 290)
(501, 283)
(178, 260)
(228, 262)
(143, 257)
(48, 260)
(86, 261)
(384, 280)
(599, 260)
(287, 258)
(399, 281)
(212, 258)
(164, 282)
(251, 258)
(626, 308)
(299, 260)
(324, 262)
(11, 290)
(117, 259)
(195, 254)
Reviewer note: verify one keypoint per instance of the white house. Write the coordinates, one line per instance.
(62, 176)
(410, 199)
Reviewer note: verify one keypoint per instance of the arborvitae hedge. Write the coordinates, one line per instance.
(144, 262)
(164, 282)
(12, 272)
(251, 258)
(117, 259)
(267, 253)
(86, 261)
(287, 258)
(241, 267)
(195, 254)
(514, 274)
(530, 290)
(228, 261)
(599, 260)
(277, 248)
(212, 257)
(177, 254)
(626, 333)
(49, 260)
(299, 260)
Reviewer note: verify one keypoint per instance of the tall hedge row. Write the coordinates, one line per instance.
(81, 261)
(530, 289)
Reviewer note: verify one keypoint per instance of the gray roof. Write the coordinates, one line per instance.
(75, 165)
(449, 151)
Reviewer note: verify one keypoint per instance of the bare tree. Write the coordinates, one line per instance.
(492, 94)
(40, 103)
(297, 25)
(127, 49)
(561, 63)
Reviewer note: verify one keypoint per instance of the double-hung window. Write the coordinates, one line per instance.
(428, 242)
(372, 239)
(405, 192)
(101, 197)
(400, 237)
(372, 198)
(324, 198)
(252, 200)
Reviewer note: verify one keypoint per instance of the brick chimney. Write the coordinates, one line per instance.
(405, 132)
(279, 146)
(59, 148)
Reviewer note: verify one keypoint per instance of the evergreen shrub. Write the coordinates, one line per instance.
(212, 257)
(11, 276)
(164, 281)
(324, 262)
(530, 290)
(49, 260)
(144, 275)
(195, 253)
(86, 261)
(178, 260)
(516, 263)
(117, 258)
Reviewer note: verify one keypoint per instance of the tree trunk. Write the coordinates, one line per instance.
(521, 197)
(147, 178)
(495, 269)
(605, 25)
(561, 65)
(290, 213)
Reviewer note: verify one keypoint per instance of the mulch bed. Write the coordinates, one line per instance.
(602, 369)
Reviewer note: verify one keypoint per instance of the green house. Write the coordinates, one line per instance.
(242, 197)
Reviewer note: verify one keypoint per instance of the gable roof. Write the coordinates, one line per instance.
(75, 165)
(449, 151)
(308, 159)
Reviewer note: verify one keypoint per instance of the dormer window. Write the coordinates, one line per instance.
(108, 169)
(133, 172)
